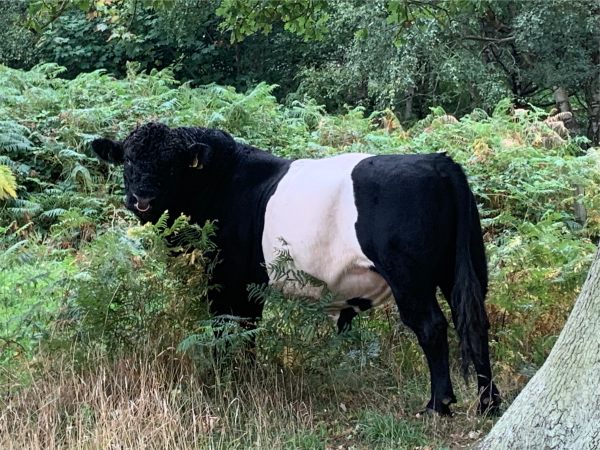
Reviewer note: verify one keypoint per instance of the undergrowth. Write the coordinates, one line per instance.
(105, 336)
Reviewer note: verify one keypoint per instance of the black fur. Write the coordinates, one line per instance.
(417, 222)
(362, 304)
(108, 150)
(205, 174)
(344, 322)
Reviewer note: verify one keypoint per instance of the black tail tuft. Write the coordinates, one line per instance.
(471, 319)
(470, 283)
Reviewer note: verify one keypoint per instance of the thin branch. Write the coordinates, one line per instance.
(489, 39)
(53, 13)
(500, 62)
(581, 102)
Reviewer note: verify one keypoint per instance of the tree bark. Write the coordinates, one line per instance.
(560, 407)
(561, 98)
(408, 105)
(578, 207)
(593, 131)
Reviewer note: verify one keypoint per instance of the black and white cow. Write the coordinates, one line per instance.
(370, 227)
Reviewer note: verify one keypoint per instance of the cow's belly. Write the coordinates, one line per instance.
(359, 289)
(311, 217)
(355, 285)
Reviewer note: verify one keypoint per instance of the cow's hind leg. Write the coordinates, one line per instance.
(489, 396)
(421, 313)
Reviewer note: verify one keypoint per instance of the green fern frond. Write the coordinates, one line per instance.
(13, 136)
(215, 120)
(49, 70)
(18, 168)
(222, 332)
(6, 161)
(53, 213)
(24, 208)
(82, 175)
(161, 223)
(54, 191)
(72, 154)
(8, 255)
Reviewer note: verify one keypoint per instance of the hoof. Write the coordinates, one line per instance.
(446, 412)
(489, 401)
(440, 408)
(490, 408)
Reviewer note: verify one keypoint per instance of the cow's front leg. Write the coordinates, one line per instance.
(233, 305)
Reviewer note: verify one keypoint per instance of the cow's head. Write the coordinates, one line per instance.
(159, 162)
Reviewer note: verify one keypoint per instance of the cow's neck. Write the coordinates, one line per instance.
(247, 182)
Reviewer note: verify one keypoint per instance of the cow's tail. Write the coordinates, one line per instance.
(470, 283)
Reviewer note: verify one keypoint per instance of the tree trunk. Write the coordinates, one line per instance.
(578, 207)
(561, 98)
(408, 105)
(593, 131)
(560, 407)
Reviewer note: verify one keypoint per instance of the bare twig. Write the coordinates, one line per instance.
(489, 39)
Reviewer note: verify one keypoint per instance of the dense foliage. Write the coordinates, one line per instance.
(400, 54)
(80, 277)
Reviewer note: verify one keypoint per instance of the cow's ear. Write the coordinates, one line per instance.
(212, 143)
(108, 150)
(199, 155)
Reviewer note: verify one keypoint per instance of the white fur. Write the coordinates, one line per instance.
(312, 215)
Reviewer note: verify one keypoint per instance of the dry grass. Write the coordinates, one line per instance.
(150, 400)
(131, 403)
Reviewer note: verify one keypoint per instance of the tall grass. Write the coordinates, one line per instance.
(160, 400)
